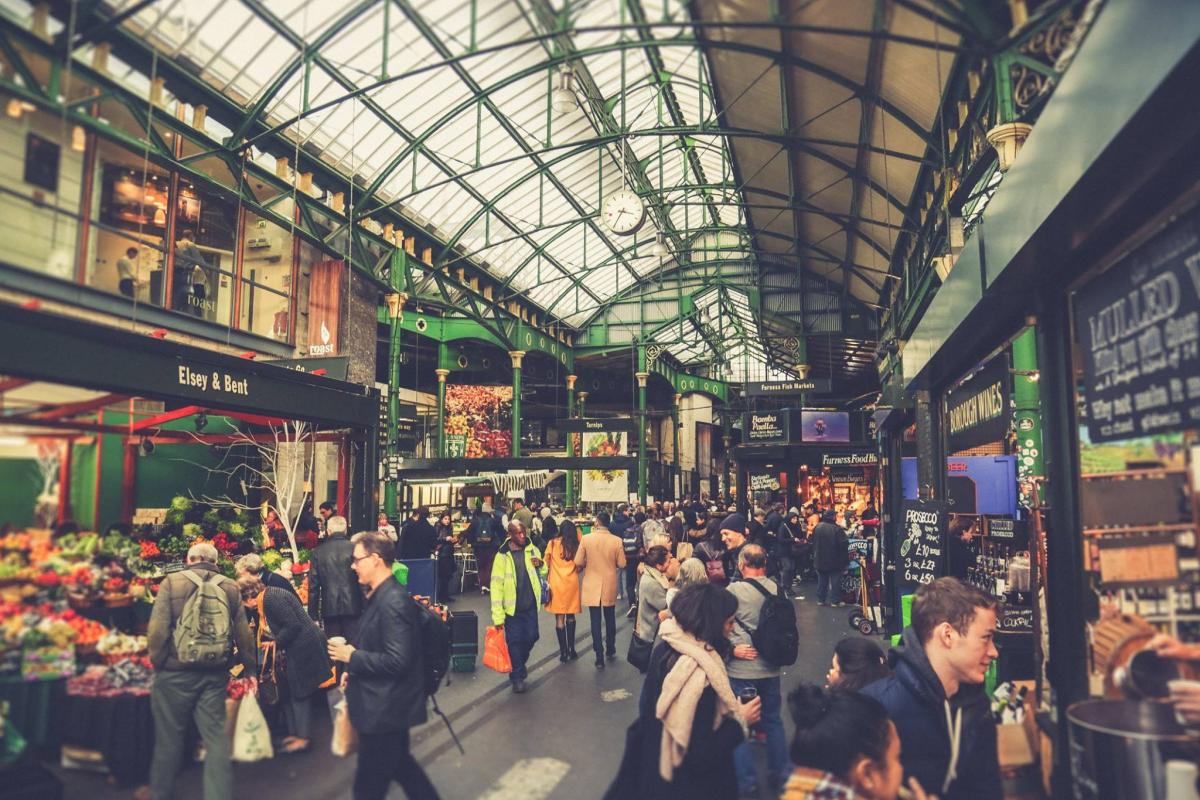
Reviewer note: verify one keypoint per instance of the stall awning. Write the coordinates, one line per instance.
(515, 482)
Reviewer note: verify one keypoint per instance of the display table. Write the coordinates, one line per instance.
(32, 706)
(118, 726)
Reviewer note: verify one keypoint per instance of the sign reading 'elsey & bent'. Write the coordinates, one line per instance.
(1139, 328)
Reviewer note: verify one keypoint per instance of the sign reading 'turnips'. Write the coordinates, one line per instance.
(922, 543)
(1139, 328)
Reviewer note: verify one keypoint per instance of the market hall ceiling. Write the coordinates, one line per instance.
(775, 144)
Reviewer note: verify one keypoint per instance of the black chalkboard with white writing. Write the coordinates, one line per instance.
(1010, 532)
(1015, 619)
(922, 544)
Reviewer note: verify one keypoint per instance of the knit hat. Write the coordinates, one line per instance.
(734, 522)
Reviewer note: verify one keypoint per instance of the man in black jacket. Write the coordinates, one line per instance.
(419, 538)
(385, 680)
(831, 553)
(334, 598)
(935, 693)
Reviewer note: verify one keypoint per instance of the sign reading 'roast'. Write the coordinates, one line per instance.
(978, 410)
(922, 543)
(1139, 328)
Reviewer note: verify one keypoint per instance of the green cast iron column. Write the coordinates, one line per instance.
(675, 481)
(442, 374)
(516, 356)
(395, 302)
(727, 439)
(1028, 422)
(570, 499)
(641, 416)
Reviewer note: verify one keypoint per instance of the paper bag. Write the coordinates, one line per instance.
(251, 737)
(495, 651)
(345, 738)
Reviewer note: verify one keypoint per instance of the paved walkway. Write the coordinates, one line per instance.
(561, 740)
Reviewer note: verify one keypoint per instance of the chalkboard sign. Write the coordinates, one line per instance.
(1010, 532)
(922, 543)
(1015, 619)
(1136, 326)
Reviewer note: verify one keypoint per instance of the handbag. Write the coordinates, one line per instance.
(268, 662)
(495, 651)
(546, 594)
(639, 652)
(345, 739)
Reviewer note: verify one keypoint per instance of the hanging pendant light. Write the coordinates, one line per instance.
(659, 249)
(562, 96)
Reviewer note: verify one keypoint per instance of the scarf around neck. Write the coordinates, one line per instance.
(699, 666)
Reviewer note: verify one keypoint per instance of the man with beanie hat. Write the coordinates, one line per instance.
(831, 553)
(733, 534)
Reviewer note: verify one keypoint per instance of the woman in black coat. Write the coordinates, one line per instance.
(300, 649)
(446, 539)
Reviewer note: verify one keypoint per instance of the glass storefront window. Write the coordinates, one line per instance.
(204, 270)
(130, 200)
(40, 173)
(266, 284)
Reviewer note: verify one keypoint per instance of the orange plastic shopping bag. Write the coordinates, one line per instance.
(495, 651)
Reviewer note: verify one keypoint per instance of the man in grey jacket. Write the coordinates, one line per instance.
(184, 692)
(747, 670)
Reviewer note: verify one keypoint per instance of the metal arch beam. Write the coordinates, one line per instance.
(417, 142)
(255, 112)
(278, 25)
(439, 46)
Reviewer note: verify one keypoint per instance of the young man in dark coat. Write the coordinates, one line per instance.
(419, 539)
(831, 553)
(385, 677)
(935, 693)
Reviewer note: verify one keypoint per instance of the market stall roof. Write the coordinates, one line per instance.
(770, 142)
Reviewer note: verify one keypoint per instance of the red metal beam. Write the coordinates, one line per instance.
(170, 416)
(82, 407)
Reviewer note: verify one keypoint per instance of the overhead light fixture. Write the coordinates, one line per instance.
(1032, 374)
(562, 96)
(146, 445)
(201, 422)
(659, 249)
(13, 108)
(78, 139)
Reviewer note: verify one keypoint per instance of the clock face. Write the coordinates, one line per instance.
(623, 212)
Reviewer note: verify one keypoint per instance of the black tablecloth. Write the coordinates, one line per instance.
(119, 727)
(31, 710)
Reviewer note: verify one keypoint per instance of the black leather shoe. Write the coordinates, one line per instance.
(612, 656)
(599, 663)
(519, 687)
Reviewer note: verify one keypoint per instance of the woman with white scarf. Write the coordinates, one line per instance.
(690, 722)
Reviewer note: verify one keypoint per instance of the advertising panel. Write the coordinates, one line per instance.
(825, 426)
(605, 485)
(478, 421)
(768, 426)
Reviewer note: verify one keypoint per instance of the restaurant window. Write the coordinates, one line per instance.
(266, 284)
(130, 201)
(204, 264)
(40, 174)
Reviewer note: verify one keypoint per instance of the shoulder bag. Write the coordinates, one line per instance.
(268, 679)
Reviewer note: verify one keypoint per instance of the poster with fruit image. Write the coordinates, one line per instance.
(605, 485)
(478, 421)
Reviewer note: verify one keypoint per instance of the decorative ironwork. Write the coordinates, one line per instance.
(653, 351)
(1027, 86)
(1048, 44)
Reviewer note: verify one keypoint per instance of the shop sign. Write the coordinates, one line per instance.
(787, 388)
(847, 476)
(1138, 326)
(767, 426)
(324, 304)
(456, 445)
(586, 425)
(868, 459)
(1009, 531)
(1015, 619)
(764, 482)
(922, 543)
(978, 410)
(336, 367)
(214, 383)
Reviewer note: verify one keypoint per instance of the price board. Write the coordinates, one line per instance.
(1010, 532)
(922, 543)
(1148, 559)
(1015, 619)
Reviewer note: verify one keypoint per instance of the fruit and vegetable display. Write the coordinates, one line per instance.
(479, 420)
(607, 444)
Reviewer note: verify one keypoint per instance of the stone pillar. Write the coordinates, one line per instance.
(570, 498)
(516, 356)
(641, 417)
(442, 374)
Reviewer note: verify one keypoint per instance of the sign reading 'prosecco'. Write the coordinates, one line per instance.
(1139, 328)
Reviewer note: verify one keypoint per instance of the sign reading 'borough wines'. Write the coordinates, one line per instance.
(978, 410)
(1139, 328)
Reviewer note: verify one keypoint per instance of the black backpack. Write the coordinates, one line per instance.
(436, 642)
(776, 637)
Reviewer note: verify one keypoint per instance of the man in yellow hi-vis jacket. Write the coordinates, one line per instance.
(516, 593)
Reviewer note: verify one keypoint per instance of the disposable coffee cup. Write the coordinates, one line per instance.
(747, 694)
(1178, 685)
(337, 641)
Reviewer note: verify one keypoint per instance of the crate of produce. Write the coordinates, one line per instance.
(47, 663)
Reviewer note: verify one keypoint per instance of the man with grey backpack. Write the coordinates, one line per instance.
(196, 622)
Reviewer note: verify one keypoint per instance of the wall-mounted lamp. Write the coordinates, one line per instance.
(1032, 374)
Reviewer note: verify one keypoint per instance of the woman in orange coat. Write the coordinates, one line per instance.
(564, 587)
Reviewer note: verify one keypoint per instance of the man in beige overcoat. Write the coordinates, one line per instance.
(601, 557)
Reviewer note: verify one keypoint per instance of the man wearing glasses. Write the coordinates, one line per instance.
(384, 682)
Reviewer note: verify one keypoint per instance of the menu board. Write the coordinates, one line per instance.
(922, 543)
(1138, 327)
(768, 426)
(1138, 560)
(1015, 619)
(1008, 531)
(764, 481)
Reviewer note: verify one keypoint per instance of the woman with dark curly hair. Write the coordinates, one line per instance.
(857, 662)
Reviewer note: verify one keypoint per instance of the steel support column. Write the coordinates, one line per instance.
(676, 488)
(641, 418)
(516, 356)
(395, 307)
(442, 374)
(570, 497)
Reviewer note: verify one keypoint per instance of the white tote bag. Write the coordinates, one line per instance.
(251, 736)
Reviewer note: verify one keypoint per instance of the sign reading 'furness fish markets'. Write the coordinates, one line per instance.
(1139, 328)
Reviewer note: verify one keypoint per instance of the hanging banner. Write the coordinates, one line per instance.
(1138, 327)
(324, 304)
(767, 426)
(605, 485)
(977, 411)
(922, 544)
(478, 421)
